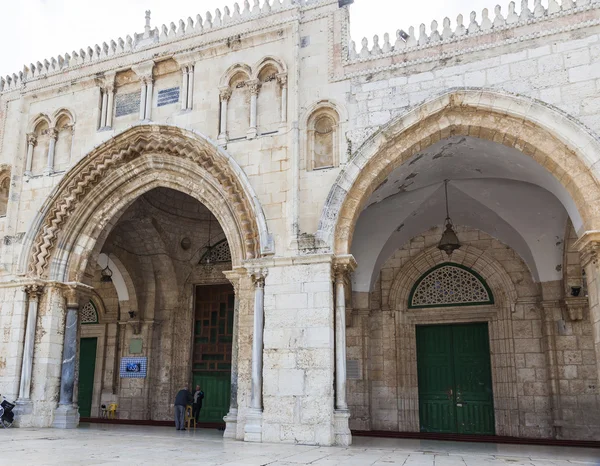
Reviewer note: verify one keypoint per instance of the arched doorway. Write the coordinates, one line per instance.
(519, 175)
(153, 214)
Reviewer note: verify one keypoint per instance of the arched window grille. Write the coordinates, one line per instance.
(89, 313)
(450, 284)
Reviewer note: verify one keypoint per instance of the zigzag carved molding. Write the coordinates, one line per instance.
(123, 149)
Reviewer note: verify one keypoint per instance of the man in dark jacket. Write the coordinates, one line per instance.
(198, 397)
(182, 399)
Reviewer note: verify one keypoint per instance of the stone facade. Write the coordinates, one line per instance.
(319, 165)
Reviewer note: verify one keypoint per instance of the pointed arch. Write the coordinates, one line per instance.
(556, 141)
(113, 175)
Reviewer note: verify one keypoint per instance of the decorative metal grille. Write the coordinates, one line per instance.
(89, 314)
(450, 285)
(218, 253)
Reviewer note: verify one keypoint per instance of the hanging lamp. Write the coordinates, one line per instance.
(449, 241)
(206, 259)
(106, 273)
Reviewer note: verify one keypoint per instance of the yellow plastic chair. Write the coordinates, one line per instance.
(189, 417)
(112, 410)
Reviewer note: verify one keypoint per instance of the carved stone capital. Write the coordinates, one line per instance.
(72, 297)
(33, 292)
(144, 71)
(225, 93)
(576, 307)
(31, 139)
(282, 79)
(109, 82)
(342, 267)
(588, 246)
(234, 277)
(254, 86)
(53, 132)
(258, 276)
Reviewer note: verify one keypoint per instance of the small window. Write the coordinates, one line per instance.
(89, 314)
(323, 144)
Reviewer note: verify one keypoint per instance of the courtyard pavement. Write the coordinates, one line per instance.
(137, 445)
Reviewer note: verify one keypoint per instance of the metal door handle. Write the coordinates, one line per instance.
(449, 393)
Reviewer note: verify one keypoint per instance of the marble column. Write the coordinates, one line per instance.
(53, 133)
(254, 90)
(143, 91)
(66, 415)
(149, 90)
(31, 142)
(231, 417)
(282, 80)
(104, 109)
(190, 88)
(341, 413)
(253, 427)
(224, 95)
(110, 91)
(33, 294)
(184, 87)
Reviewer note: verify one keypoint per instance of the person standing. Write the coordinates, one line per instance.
(198, 397)
(182, 399)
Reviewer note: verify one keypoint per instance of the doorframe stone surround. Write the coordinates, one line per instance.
(497, 316)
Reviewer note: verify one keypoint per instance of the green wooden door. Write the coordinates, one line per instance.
(213, 336)
(455, 379)
(87, 366)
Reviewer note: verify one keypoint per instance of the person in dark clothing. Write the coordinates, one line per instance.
(182, 399)
(198, 397)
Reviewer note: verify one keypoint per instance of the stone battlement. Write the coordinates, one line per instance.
(153, 36)
(412, 42)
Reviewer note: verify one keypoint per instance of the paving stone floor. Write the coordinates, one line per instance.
(133, 445)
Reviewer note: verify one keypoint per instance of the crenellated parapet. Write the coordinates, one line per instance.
(249, 10)
(448, 33)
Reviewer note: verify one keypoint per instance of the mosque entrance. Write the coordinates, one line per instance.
(455, 379)
(213, 337)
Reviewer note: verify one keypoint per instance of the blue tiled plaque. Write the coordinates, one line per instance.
(133, 368)
(127, 104)
(168, 96)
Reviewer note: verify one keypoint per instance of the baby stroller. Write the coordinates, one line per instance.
(6, 413)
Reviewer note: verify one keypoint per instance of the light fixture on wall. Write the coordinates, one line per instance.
(449, 241)
(106, 274)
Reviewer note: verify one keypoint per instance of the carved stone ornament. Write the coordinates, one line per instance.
(576, 307)
(123, 149)
(282, 79)
(31, 139)
(33, 291)
(254, 87)
(258, 276)
(225, 93)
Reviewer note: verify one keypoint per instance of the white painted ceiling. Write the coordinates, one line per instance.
(493, 188)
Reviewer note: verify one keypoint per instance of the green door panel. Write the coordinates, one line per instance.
(436, 379)
(455, 380)
(87, 367)
(217, 390)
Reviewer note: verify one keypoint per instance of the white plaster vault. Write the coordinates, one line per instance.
(321, 165)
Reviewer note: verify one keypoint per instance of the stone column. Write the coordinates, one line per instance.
(253, 427)
(231, 417)
(589, 247)
(190, 88)
(224, 96)
(110, 90)
(143, 91)
(184, 87)
(282, 80)
(31, 142)
(24, 402)
(66, 415)
(104, 108)
(53, 133)
(149, 90)
(342, 268)
(254, 90)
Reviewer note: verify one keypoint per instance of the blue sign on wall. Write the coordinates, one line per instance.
(133, 368)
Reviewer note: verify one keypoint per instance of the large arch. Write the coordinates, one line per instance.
(566, 148)
(105, 182)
